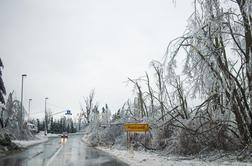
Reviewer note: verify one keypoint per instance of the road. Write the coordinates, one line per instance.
(59, 152)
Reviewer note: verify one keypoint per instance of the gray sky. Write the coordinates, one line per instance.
(68, 47)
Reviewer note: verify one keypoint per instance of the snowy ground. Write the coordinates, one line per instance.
(40, 138)
(141, 158)
(25, 144)
(41, 134)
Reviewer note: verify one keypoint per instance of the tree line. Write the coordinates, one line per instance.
(56, 126)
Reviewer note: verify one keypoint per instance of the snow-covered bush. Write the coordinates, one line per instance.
(5, 142)
(11, 119)
(206, 136)
(110, 134)
(104, 134)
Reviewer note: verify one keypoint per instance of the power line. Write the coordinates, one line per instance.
(52, 105)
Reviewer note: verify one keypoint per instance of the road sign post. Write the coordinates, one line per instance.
(136, 128)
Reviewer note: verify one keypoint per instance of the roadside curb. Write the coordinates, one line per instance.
(113, 155)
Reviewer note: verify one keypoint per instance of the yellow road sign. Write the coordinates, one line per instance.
(136, 127)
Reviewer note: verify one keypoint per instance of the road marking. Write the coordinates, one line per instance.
(35, 155)
(53, 157)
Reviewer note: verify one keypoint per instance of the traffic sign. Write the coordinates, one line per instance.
(68, 112)
(136, 127)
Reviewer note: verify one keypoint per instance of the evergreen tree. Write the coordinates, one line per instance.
(73, 130)
(64, 124)
(2, 88)
(116, 116)
(59, 127)
(43, 126)
(38, 125)
(68, 128)
(51, 125)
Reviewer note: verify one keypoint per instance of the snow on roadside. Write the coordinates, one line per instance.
(41, 134)
(141, 158)
(40, 138)
(25, 144)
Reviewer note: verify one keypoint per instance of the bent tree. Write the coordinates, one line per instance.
(2, 93)
(218, 49)
(2, 88)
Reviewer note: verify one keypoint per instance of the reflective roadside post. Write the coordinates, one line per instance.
(22, 93)
(45, 117)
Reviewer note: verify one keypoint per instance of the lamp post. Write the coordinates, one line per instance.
(45, 117)
(29, 109)
(22, 89)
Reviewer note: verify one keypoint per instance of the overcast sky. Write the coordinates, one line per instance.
(68, 47)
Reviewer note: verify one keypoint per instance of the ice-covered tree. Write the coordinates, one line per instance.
(105, 115)
(218, 47)
(95, 115)
(139, 107)
(11, 112)
(2, 88)
(89, 106)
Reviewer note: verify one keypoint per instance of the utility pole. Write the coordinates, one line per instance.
(45, 117)
(29, 109)
(22, 89)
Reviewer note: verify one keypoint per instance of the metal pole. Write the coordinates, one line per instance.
(29, 109)
(127, 140)
(22, 88)
(145, 144)
(45, 117)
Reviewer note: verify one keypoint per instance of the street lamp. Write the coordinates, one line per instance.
(29, 109)
(45, 117)
(22, 89)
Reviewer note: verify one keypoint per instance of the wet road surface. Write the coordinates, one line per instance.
(61, 152)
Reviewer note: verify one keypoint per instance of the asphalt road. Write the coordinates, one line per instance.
(61, 152)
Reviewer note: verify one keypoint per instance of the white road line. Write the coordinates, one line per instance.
(53, 157)
(35, 155)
